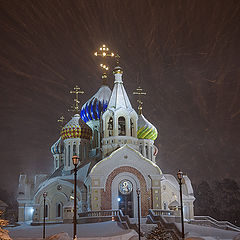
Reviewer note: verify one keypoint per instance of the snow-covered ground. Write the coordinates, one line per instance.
(207, 233)
(111, 230)
(103, 230)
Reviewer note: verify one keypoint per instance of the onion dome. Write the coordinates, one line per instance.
(145, 129)
(76, 128)
(57, 147)
(95, 106)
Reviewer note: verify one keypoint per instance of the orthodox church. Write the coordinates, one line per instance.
(117, 154)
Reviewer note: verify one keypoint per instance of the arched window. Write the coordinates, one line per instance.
(110, 126)
(141, 148)
(131, 127)
(65, 157)
(79, 150)
(146, 148)
(57, 163)
(95, 139)
(74, 149)
(69, 155)
(121, 126)
(59, 210)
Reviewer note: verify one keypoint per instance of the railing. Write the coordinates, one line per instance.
(100, 213)
(158, 216)
(104, 215)
(209, 221)
(160, 212)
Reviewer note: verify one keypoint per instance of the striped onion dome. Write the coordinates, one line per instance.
(145, 129)
(96, 105)
(57, 147)
(76, 128)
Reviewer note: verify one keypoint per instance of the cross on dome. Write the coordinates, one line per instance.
(139, 92)
(104, 53)
(75, 108)
(61, 121)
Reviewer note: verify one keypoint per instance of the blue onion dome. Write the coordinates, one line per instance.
(76, 128)
(57, 147)
(145, 129)
(97, 105)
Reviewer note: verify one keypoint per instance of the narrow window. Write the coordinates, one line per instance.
(79, 150)
(146, 148)
(110, 126)
(74, 149)
(95, 144)
(121, 126)
(141, 149)
(59, 210)
(69, 155)
(131, 125)
(65, 157)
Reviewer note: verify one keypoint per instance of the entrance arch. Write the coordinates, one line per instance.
(127, 203)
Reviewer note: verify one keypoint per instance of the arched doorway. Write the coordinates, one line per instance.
(125, 197)
(126, 202)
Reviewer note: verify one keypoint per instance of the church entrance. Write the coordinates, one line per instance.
(125, 197)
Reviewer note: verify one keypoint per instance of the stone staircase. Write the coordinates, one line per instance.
(145, 227)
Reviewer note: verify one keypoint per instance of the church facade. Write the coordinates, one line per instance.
(117, 156)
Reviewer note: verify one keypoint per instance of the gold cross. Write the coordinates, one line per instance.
(117, 59)
(104, 52)
(61, 121)
(75, 108)
(139, 92)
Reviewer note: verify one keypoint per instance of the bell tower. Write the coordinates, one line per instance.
(119, 122)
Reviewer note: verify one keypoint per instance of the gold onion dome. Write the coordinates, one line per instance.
(145, 129)
(76, 128)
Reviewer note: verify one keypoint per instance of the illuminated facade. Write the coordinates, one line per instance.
(117, 156)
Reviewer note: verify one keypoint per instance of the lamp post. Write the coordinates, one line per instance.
(180, 178)
(75, 160)
(138, 199)
(44, 213)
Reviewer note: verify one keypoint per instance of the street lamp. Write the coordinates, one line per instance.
(138, 198)
(75, 160)
(180, 178)
(44, 213)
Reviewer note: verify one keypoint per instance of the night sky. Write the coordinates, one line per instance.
(184, 54)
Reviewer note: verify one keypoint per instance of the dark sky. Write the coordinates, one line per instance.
(185, 54)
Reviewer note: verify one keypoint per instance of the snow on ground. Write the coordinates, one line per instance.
(90, 230)
(207, 233)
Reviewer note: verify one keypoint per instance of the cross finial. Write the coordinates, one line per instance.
(75, 107)
(117, 58)
(104, 75)
(61, 121)
(139, 92)
(104, 53)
